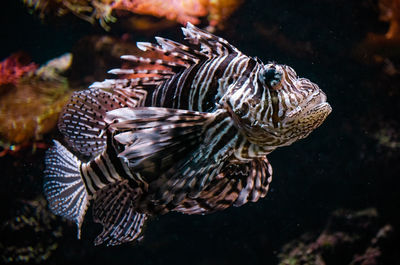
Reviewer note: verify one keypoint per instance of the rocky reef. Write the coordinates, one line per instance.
(32, 221)
(349, 237)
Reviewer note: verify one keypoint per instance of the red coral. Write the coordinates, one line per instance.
(14, 67)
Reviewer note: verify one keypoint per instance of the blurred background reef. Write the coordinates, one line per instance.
(335, 196)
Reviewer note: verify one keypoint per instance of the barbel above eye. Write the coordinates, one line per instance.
(271, 76)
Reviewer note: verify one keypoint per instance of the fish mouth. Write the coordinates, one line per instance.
(315, 104)
(319, 105)
(323, 106)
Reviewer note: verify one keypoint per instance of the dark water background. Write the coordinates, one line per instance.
(340, 165)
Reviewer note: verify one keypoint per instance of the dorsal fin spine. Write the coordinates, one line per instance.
(147, 60)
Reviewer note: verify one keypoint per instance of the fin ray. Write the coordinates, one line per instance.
(82, 120)
(114, 209)
(148, 60)
(257, 182)
(155, 138)
(63, 185)
(172, 49)
(235, 185)
(210, 44)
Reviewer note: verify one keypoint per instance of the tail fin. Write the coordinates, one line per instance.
(63, 185)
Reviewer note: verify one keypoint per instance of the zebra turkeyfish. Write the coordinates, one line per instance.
(187, 130)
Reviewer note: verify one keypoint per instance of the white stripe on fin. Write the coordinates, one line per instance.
(114, 209)
(210, 44)
(82, 120)
(236, 184)
(147, 60)
(155, 137)
(257, 183)
(63, 185)
(172, 49)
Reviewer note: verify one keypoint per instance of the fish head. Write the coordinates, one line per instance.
(278, 107)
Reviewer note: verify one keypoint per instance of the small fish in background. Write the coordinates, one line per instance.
(191, 136)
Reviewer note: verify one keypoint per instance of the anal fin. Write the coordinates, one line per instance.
(114, 208)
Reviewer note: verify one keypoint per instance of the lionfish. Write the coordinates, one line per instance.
(190, 136)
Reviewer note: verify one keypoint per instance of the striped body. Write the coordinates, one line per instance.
(186, 130)
(103, 170)
(200, 87)
(204, 84)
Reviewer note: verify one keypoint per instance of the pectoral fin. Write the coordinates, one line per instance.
(236, 185)
(154, 138)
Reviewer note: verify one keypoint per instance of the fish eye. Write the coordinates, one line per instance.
(271, 76)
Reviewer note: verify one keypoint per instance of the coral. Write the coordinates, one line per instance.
(220, 10)
(14, 67)
(89, 10)
(388, 137)
(53, 69)
(146, 25)
(30, 108)
(181, 11)
(384, 47)
(390, 12)
(32, 223)
(349, 238)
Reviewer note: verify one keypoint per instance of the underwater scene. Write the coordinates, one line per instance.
(205, 132)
